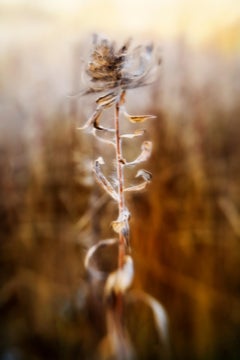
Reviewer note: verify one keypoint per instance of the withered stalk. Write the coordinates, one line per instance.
(120, 182)
(110, 74)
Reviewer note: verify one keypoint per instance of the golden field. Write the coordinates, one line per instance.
(185, 227)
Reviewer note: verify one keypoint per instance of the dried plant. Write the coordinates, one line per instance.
(111, 72)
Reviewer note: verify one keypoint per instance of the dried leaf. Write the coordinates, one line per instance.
(146, 175)
(138, 118)
(136, 133)
(102, 139)
(121, 225)
(120, 280)
(160, 317)
(145, 154)
(116, 344)
(92, 120)
(91, 251)
(102, 128)
(118, 226)
(107, 100)
(100, 160)
(95, 121)
(136, 187)
(107, 186)
(159, 313)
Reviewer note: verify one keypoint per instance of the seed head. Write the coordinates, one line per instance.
(123, 68)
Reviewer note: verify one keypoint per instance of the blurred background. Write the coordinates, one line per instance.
(185, 229)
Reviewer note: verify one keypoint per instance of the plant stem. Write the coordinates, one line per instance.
(120, 179)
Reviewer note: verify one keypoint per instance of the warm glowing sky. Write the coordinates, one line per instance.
(197, 19)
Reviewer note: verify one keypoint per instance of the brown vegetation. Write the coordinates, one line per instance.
(185, 229)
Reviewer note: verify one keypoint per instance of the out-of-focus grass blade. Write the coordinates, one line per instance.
(91, 251)
(159, 313)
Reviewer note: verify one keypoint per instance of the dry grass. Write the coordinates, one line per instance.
(185, 228)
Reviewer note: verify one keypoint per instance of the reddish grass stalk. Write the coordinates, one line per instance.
(120, 180)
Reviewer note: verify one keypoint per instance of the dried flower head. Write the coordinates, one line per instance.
(123, 68)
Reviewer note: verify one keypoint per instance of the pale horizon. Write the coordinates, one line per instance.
(196, 20)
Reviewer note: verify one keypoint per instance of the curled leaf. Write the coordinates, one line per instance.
(136, 133)
(102, 139)
(93, 120)
(146, 175)
(136, 187)
(102, 180)
(96, 122)
(120, 280)
(145, 154)
(159, 313)
(100, 160)
(91, 251)
(118, 224)
(138, 118)
(107, 100)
